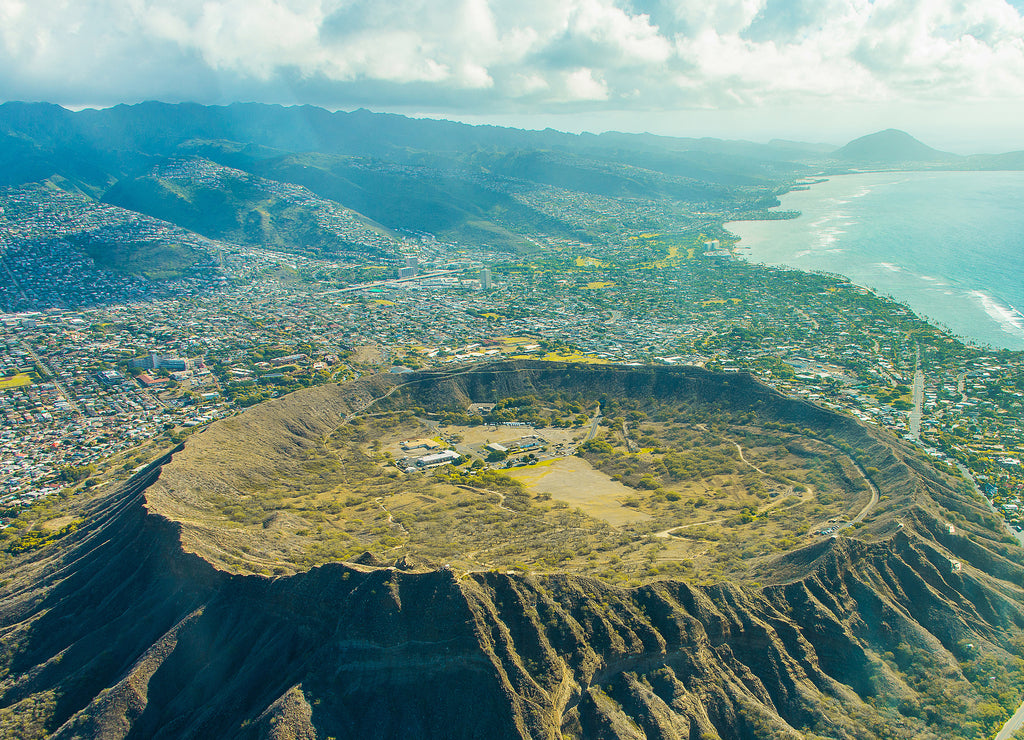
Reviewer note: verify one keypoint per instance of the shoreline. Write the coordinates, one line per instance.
(979, 316)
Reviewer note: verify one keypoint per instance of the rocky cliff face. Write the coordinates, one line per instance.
(123, 633)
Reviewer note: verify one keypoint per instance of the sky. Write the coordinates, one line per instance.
(951, 72)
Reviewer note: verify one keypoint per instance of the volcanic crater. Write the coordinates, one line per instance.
(616, 552)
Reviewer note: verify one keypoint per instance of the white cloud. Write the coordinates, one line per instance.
(580, 84)
(252, 37)
(725, 16)
(630, 37)
(503, 54)
(520, 85)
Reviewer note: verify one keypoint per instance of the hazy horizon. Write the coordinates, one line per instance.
(613, 123)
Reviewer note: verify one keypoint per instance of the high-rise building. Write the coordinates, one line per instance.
(155, 362)
(485, 279)
(412, 267)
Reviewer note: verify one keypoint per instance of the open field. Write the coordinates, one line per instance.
(57, 523)
(16, 381)
(505, 435)
(576, 482)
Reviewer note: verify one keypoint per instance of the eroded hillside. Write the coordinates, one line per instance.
(153, 620)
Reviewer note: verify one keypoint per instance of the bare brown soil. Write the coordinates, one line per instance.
(577, 483)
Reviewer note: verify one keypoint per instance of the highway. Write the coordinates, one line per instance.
(393, 282)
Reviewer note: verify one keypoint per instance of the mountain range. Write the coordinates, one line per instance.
(479, 184)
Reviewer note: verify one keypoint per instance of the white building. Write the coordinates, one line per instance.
(441, 458)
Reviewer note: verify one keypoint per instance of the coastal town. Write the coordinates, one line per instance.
(101, 369)
(584, 369)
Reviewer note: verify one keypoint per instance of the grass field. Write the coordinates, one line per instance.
(15, 381)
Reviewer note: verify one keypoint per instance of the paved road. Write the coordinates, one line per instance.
(53, 378)
(871, 504)
(999, 515)
(1012, 725)
(915, 415)
(396, 281)
(807, 317)
(14, 279)
(1015, 722)
(594, 424)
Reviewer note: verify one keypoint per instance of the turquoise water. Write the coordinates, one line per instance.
(949, 244)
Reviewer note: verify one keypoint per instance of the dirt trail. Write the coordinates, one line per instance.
(790, 491)
(665, 533)
(379, 500)
(746, 461)
(594, 422)
(499, 494)
(630, 444)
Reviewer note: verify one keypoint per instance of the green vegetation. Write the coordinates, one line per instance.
(16, 381)
(711, 484)
(37, 538)
(972, 700)
(343, 499)
(238, 208)
(76, 473)
(717, 477)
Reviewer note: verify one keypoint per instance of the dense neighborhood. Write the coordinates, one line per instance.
(96, 363)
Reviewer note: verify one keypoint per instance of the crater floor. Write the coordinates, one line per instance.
(616, 473)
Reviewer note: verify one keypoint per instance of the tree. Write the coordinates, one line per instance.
(75, 473)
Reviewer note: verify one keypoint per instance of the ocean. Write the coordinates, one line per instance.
(948, 244)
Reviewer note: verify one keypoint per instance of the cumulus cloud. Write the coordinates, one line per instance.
(530, 55)
(581, 85)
